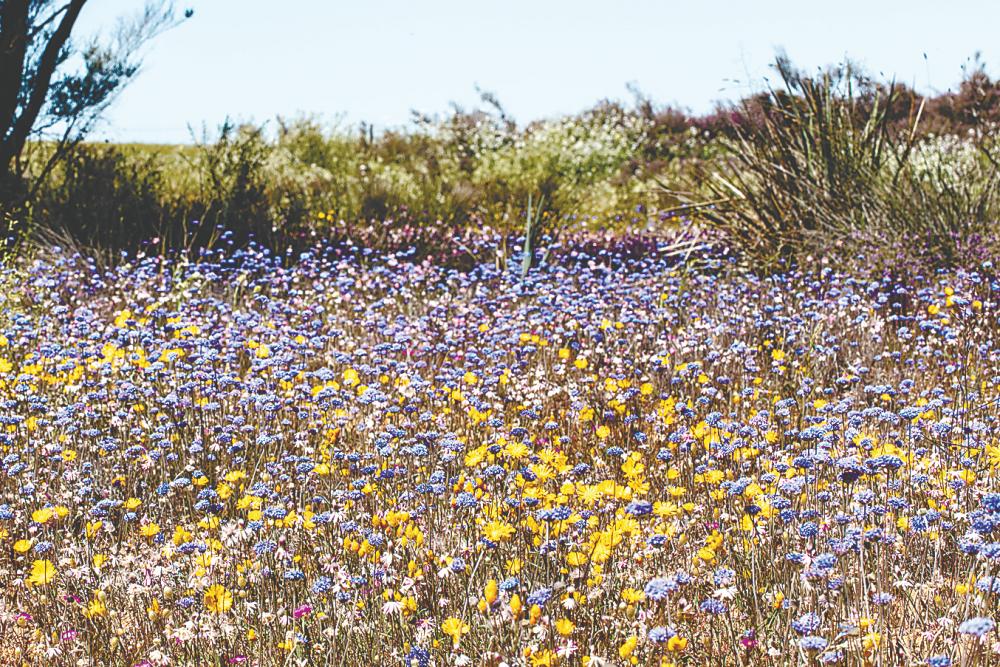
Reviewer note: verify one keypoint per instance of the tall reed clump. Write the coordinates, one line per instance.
(838, 162)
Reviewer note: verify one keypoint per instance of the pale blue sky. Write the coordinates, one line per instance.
(375, 60)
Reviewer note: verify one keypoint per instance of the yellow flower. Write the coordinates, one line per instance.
(966, 476)
(626, 649)
(871, 640)
(565, 627)
(590, 494)
(491, 591)
(454, 628)
(516, 450)
(603, 431)
(498, 531)
(677, 643)
(543, 658)
(42, 572)
(43, 515)
(96, 607)
(22, 546)
(218, 600)
(632, 596)
(706, 553)
(994, 455)
(149, 529)
(351, 377)
(666, 509)
(534, 614)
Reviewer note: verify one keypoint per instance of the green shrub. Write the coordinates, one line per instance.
(105, 196)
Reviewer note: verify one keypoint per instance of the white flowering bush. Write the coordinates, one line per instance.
(946, 159)
(568, 156)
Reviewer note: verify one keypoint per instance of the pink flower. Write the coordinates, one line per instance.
(304, 610)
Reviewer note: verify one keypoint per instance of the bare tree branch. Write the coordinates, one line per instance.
(39, 26)
(40, 82)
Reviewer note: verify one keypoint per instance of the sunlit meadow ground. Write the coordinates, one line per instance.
(353, 459)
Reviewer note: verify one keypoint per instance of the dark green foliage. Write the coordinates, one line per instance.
(106, 197)
(232, 190)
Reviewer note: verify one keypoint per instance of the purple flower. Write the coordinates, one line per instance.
(659, 588)
(806, 623)
(812, 643)
(639, 508)
(978, 626)
(661, 634)
(713, 606)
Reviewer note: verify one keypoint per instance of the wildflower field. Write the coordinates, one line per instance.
(353, 458)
